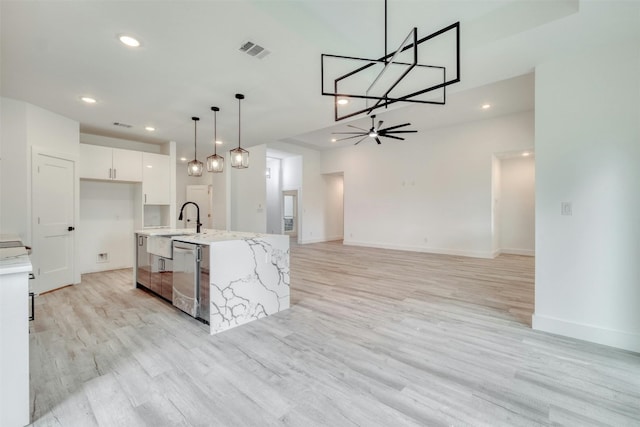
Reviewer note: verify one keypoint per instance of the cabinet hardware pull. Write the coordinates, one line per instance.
(33, 310)
(110, 173)
(145, 198)
(114, 173)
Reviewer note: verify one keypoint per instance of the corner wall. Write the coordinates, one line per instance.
(588, 154)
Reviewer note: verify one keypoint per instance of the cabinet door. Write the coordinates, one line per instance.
(156, 179)
(127, 165)
(95, 162)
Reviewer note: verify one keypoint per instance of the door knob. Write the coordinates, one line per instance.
(70, 228)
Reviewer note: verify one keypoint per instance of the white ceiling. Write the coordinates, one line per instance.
(55, 52)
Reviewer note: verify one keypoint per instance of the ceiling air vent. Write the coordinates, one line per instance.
(122, 125)
(252, 49)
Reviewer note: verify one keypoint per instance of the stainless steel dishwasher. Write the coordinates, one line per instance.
(191, 279)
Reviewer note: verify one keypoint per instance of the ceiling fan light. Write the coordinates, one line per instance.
(373, 134)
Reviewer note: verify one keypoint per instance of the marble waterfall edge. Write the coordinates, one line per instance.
(249, 280)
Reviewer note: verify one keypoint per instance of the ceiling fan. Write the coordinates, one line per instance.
(375, 132)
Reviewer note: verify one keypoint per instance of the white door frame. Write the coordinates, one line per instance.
(296, 232)
(35, 152)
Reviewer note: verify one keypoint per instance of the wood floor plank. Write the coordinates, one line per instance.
(374, 337)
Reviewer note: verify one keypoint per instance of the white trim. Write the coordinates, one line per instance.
(525, 252)
(456, 252)
(592, 333)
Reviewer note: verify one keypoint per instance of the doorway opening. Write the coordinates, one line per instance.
(290, 213)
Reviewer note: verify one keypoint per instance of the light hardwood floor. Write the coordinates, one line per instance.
(373, 338)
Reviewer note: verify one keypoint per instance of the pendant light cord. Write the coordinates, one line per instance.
(195, 133)
(215, 134)
(239, 117)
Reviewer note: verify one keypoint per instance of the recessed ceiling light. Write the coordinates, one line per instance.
(150, 128)
(183, 159)
(343, 101)
(88, 99)
(526, 154)
(333, 140)
(219, 142)
(486, 106)
(128, 40)
(149, 166)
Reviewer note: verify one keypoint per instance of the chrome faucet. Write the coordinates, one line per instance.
(198, 224)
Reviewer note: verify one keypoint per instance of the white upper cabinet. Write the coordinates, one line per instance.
(127, 165)
(97, 162)
(156, 179)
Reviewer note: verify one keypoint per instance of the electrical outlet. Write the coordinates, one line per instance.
(103, 257)
(566, 208)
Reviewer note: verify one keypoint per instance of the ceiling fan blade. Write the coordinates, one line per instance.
(402, 131)
(378, 140)
(367, 136)
(380, 124)
(396, 126)
(351, 137)
(394, 137)
(356, 127)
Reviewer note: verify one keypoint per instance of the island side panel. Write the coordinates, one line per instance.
(249, 279)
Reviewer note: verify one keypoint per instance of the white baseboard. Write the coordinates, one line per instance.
(472, 254)
(320, 240)
(592, 333)
(525, 252)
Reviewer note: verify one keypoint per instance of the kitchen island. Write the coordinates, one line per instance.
(248, 274)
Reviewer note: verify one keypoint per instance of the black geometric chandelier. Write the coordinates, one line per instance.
(362, 85)
(215, 162)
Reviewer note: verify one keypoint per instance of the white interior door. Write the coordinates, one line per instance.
(201, 195)
(53, 203)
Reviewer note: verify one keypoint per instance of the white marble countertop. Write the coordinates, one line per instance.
(13, 260)
(165, 231)
(208, 236)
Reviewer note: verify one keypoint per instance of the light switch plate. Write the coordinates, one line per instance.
(566, 208)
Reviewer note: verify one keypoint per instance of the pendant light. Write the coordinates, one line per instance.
(194, 166)
(239, 156)
(215, 163)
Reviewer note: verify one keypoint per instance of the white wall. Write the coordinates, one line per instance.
(588, 153)
(274, 197)
(517, 206)
(26, 128)
(249, 193)
(432, 192)
(182, 181)
(334, 206)
(220, 189)
(15, 217)
(106, 225)
(496, 202)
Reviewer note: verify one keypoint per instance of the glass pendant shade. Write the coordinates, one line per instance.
(194, 167)
(215, 163)
(239, 156)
